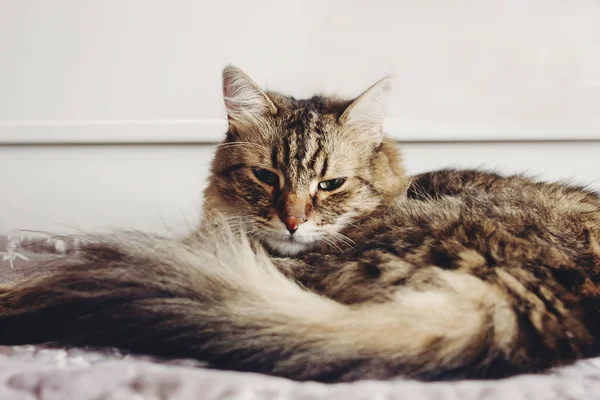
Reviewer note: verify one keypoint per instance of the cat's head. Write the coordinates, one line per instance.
(299, 171)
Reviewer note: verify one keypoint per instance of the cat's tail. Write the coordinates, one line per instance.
(223, 302)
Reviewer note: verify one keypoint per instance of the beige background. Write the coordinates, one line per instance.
(510, 85)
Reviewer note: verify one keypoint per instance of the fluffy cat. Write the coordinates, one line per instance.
(320, 260)
(280, 152)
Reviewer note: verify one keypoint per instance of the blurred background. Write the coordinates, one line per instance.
(109, 109)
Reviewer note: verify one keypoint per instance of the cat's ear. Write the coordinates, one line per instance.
(364, 116)
(244, 100)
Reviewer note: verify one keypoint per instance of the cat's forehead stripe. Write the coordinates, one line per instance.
(286, 151)
(274, 157)
(302, 141)
(310, 164)
(324, 167)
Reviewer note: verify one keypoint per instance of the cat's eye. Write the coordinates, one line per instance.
(331, 184)
(266, 176)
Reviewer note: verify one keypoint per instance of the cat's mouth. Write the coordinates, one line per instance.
(288, 245)
(295, 238)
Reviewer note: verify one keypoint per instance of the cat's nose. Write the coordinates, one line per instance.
(292, 220)
(293, 210)
(291, 223)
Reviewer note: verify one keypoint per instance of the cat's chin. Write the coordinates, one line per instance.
(288, 247)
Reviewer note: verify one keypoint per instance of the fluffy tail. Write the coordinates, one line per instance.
(225, 303)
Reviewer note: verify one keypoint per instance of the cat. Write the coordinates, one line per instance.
(319, 259)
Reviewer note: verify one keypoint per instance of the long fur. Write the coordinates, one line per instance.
(455, 274)
(222, 300)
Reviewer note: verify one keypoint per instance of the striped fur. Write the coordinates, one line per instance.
(449, 274)
(303, 142)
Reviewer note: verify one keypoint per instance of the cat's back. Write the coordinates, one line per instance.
(447, 214)
(542, 233)
(472, 182)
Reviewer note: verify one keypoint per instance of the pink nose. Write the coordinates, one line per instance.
(291, 224)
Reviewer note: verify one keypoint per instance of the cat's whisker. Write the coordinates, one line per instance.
(330, 242)
(352, 224)
(343, 239)
(237, 224)
(336, 239)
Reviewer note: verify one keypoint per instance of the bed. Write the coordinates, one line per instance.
(39, 372)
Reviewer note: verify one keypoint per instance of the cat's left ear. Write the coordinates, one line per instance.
(365, 115)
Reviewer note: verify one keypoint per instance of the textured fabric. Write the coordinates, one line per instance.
(36, 372)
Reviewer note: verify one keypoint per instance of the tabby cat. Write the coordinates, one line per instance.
(320, 260)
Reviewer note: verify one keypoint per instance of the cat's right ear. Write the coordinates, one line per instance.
(244, 100)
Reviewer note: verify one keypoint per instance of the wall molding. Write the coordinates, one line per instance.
(211, 131)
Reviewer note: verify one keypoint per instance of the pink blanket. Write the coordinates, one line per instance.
(36, 372)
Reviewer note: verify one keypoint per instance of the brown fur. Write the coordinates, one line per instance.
(449, 274)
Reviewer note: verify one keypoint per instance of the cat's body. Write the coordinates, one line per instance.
(445, 275)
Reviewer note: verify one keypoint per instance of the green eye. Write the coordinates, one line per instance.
(331, 184)
(265, 176)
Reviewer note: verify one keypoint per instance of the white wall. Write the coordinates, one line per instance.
(158, 188)
(464, 68)
(522, 77)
